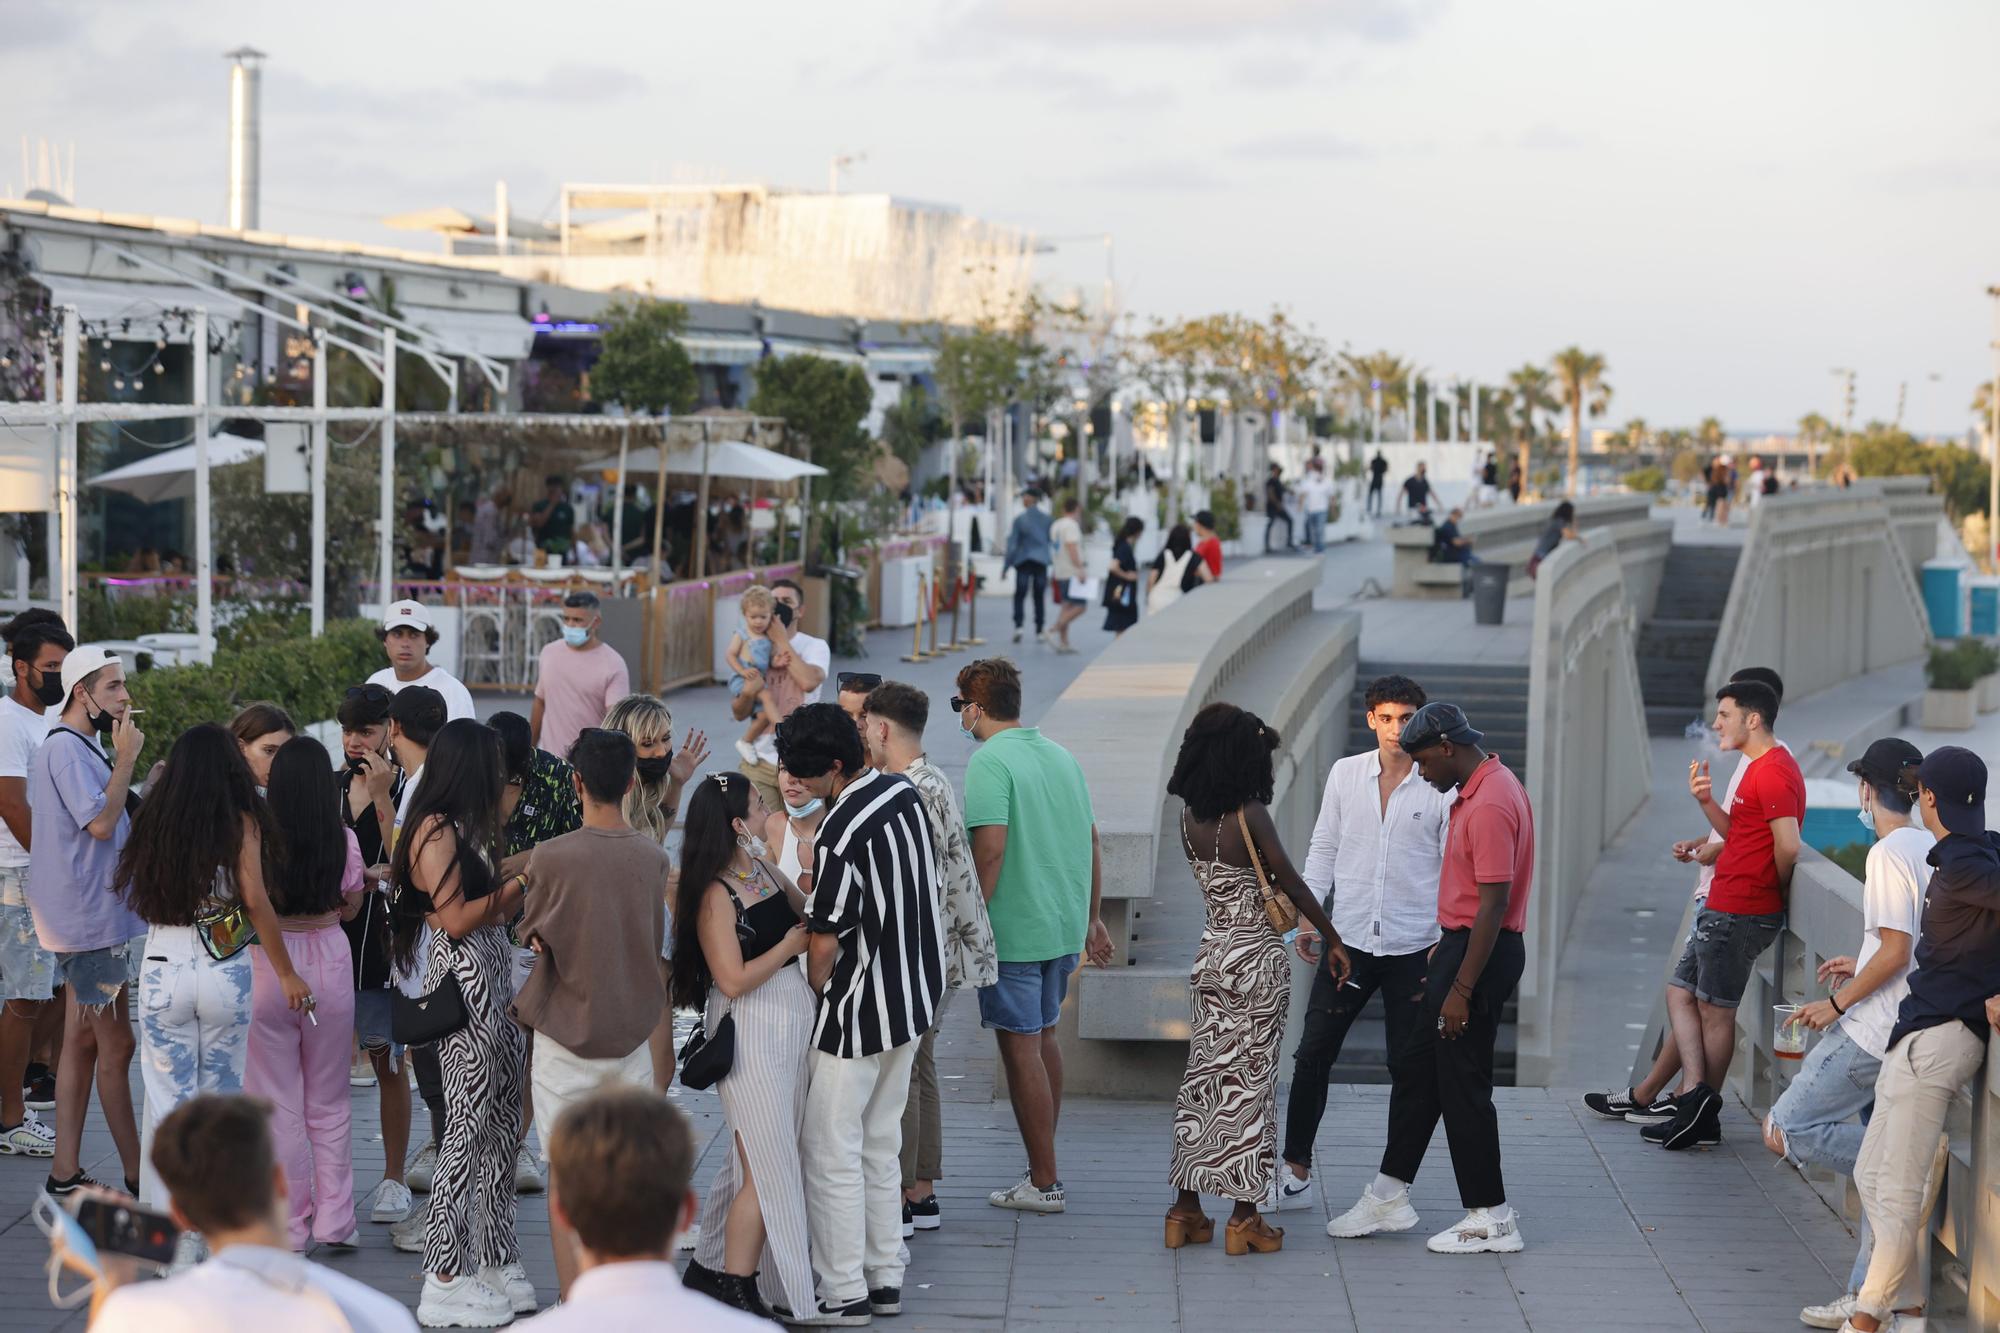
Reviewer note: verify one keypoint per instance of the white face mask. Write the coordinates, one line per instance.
(754, 844)
(801, 811)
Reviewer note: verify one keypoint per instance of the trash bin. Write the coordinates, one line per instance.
(1489, 594)
(1985, 601)
(1944, 598)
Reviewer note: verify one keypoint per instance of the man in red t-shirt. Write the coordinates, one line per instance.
(1206, 544)
(1745, 908)
(1489, 859)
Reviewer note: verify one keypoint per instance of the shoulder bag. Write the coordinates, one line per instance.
(1280, 911)
(420, 1020)
(707, 1056)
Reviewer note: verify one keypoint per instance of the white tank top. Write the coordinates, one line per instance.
(788, 853)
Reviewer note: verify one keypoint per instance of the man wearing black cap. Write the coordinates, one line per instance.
(1940, 1035)
(1813, 1123)
(1489, 859)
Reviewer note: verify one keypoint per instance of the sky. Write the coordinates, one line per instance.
(1726, 200)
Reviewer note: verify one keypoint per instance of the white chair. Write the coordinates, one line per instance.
(483, 625)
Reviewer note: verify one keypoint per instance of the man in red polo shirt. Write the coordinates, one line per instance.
(1489, 858)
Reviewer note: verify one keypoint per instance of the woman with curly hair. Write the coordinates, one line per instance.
(1226, 1113)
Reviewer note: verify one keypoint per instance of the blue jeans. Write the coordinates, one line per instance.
(1316, 530)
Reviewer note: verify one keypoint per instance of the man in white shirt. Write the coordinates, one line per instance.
(216, 1157)
(1066, 567)
(408, 636)
(1376, 852)
(807, 660)
(1315, 497)
(620, 1162)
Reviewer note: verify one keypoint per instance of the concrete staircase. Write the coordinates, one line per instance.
(1675, 645)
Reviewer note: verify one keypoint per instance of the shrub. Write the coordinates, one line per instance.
(1956, 666)
(305, 677)
(1648, 479)
(1227, 507)
(1982, 654)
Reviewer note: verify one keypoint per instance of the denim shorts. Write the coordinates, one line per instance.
(1720, 953)
(95, 977)
(371, 1021)
(27, 970)
(1028, 997)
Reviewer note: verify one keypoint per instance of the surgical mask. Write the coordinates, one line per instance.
(50, 692)
(1867, 818)
(575, 636)
(754, 844)
(968, 733)
(652, 770)
(801, 811)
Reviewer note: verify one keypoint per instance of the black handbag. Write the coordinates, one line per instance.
(707, 1057)
(424, 1019)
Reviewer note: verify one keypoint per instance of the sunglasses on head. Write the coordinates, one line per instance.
(367, 692)
(858, 682)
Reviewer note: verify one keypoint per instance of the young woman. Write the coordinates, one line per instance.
(1226, 1113)
(260, 729)
(298, 1060)
(1121, 581)
(737, 932)
(447, 876)
(1176, 569)
(193, 871)
(791, 831)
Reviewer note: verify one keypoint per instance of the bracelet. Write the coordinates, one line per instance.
(1834, 1000)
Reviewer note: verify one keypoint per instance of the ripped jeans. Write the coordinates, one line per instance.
(194, 1032)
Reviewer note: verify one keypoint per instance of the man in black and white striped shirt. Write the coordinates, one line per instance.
(877, 960)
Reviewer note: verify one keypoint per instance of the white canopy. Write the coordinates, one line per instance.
(490, 333)
(726, 458)
(169, 474)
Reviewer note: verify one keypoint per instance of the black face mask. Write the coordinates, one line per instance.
(101, 721)
(50, 692)
(652, 770)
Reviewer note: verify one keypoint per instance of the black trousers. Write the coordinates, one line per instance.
(1454, 1079)
(1273, 516)
(1375, 496)
(1030, 574)
(1330, 1011)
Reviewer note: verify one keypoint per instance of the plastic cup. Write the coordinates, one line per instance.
(1789, 1043)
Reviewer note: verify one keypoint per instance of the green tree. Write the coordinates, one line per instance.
(642, 365)
(976, 372)
(1580, 380)
(823, 404)
(1956, 473)
(911, 423)
(1635, 436)
(1710, 435)
(1815, 431)
(1532, 387)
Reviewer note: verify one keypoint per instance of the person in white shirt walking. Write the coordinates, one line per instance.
(1315, 498)
(407, 637)
(1067, 569)
(1376, 852)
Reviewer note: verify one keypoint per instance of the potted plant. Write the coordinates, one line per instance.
(1988, 658)
(1951, 700)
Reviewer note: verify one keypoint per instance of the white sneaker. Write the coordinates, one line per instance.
(527, 1172)
(463, 1302)
(1831, 1315)
(1370, 1215)
(1288, 1191)
(1023, 1195)
(747, 750)
(418, 1177)
(1895, 1323)
(391, 1202)
(30, 1138)
(512, 1281)
(1479, 1232)
(408, 1234)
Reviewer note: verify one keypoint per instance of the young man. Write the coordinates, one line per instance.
(621, 1163)
(1489, 859)
(1315, 499)
(595, 909)
(1939, 1040)
(1378, 469)
(217, 1159)
(1274, 509)
(1206, 544)
(408, 637)
(855, 687)
(1417, 493)
(1375, 855)
(552, 518)
(1812, 1123)
(1034, 844)
(806, 659)
(77, 804)
(578, 677)
(877, 960)
(1745, 908)
(1028, 556)
(892, 726)
(36, 645)
(1066, 543)
(1449, 547)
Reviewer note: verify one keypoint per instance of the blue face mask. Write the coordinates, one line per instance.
(575, 636)
(1867, 818)
(801, 811)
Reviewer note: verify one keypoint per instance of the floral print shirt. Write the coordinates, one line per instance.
(970, 959)
(549, 806)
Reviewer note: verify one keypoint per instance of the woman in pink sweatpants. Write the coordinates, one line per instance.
(299, 1058)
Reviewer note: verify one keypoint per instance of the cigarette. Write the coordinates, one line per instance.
(312, 1018)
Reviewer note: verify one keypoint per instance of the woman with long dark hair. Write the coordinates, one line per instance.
(452, 898)
(193, 871)
(1177, 569)
(737, 932)
(298, 1061)
(261, 729)
(1121, 580)
(1226, 1113)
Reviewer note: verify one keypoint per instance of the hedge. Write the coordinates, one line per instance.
(306, 677)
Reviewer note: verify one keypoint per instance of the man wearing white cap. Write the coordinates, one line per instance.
(408, 637)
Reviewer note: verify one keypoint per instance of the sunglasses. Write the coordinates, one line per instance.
(373, 692)
(856, 682)
(958, 704)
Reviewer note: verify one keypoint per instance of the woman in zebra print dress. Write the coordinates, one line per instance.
(451, 911)
(1226, 1114)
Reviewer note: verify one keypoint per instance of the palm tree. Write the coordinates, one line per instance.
(1635, 435)
(1580, 376)
(1814, 431)
(1358, 376)
(1710, 435)
(1530, 385)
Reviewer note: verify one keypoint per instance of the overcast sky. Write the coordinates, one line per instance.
(1725, 199)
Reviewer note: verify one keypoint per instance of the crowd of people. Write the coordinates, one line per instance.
(1046, 554)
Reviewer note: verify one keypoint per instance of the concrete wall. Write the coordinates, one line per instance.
(1589, 764)
(1508, 535)
(1825, 590)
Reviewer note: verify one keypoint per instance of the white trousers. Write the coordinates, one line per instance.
(853, 1144)
(561, 1077)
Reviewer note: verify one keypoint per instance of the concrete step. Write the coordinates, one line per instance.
(1364, 1055)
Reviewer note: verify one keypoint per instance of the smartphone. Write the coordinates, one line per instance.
(69, 1248)
(119, 1226)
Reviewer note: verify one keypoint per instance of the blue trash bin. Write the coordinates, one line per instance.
(1985, 601)
(1944, 598)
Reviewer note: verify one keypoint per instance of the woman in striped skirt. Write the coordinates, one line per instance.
(737, 939)
(1226, 1114)
(450, 893)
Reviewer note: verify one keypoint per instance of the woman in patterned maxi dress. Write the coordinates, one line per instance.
(1226, 1114)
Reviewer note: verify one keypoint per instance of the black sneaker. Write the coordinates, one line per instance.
(40, 1093)
(1697, 1121)
(60, 1188)
(1661, 1111)
(924, 1214)
(1610, 1105)
(885, 1300)
(851, 1315)
(909, 1221)
(704, 1280)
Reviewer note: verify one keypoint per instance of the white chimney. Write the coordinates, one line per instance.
(245, 131)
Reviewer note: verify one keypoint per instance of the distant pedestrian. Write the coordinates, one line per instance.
(1176, 570)
(1069, 573)
(578, 677)
(553, 520)
(1207, 544)
(1416, 495)
(1274, 509)
(1028, 555)
(1121, 580)
(1315, 500)
(1489, 481)
(1378, 469)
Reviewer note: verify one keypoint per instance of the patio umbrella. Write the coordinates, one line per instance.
(169, 474)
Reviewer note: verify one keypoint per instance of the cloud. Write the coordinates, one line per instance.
(1198, 22)
(576, 83)
(1269, 71)
(1163, 175)
(33, 23)
(1073, 88)
(1298, 144)
(1550, 138)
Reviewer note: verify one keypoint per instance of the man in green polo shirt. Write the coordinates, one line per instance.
(1034, 844)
